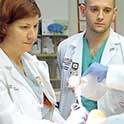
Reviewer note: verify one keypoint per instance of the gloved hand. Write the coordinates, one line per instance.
(78, 115)
(98, 70)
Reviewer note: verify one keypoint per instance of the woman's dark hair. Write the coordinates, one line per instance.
(12, 10)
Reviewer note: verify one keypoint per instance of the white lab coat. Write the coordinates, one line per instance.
(70, 51)
(18, 102)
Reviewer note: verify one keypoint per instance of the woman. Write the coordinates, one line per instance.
(26, 95)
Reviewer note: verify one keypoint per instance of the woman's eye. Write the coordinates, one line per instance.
(24, 27)
(36, 26)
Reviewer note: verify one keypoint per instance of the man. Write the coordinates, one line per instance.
(97, 44)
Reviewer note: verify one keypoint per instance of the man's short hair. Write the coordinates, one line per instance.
(85, 1)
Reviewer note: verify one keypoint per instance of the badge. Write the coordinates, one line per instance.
(75, 66)
(67, 61)
(39, 79)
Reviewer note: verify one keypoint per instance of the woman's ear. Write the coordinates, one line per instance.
(82, 8)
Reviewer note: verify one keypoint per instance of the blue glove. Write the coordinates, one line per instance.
(56, 28)
(98, 70)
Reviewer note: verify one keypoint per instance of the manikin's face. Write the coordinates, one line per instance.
(22, 34)
(99, 15)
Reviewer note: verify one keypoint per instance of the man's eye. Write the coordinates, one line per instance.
(107, 10)
(94, 9)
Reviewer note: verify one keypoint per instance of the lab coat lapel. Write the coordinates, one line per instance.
(77, 56)
(39, 69)
(110, 49)
(19, 79)
(74, 52)
(46, 85)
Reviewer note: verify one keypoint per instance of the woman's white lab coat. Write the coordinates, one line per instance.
(18, 102)
(70, 52)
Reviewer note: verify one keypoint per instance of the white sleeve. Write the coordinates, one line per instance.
(115, 77)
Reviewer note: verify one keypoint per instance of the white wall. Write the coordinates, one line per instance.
(120, 16)
(54, 9)
(73, 17)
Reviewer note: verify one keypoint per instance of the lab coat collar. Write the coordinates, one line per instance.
(77, 39)
(4, 60)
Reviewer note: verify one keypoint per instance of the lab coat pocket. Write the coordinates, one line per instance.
(12, 90)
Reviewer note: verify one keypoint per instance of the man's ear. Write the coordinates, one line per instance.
(114, 15)
(82, 8)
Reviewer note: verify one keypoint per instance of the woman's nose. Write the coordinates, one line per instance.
(32, 34)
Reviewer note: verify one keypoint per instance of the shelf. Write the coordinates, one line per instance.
(57, 35)
(82, 20)
(46, 55)
(55, 79)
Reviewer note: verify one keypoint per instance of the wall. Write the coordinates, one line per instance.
(73, 17)
(120, 16)
(52, 9)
